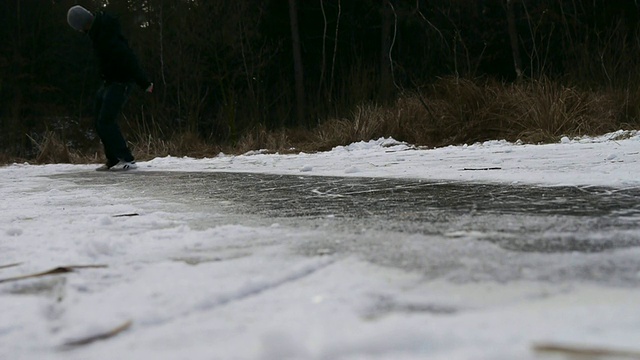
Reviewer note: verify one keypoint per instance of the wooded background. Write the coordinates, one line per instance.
(222, 68)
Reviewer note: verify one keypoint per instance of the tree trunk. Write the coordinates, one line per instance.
(385, 48)
(297, 62)
(513, 36)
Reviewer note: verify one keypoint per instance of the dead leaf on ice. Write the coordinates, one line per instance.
(585, 352)
(9, 265)
(57, 270)
(126, 215)
(100, 336)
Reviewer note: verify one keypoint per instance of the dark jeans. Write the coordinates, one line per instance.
(109, 102)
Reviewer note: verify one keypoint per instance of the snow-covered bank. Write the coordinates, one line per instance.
(611, 160)
(601, 161)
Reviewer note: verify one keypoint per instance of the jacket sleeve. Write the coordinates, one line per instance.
(129, 62)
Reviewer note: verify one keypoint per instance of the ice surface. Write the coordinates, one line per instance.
(405, 259)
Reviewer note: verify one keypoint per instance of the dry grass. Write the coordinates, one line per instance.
(7, 159)
(259, 138)
(51, 149)
(450, 111)
(457, 111)
(148, 146)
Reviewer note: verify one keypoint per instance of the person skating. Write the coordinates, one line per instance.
(120, 70)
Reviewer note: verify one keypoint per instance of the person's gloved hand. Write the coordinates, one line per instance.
(150, 88)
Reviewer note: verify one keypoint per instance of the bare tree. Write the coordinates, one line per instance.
(385, 49)
(513, 37)
(297, 61)
(323, 62)
(335, 48)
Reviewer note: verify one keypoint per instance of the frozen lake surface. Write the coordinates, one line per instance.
(376, 218)
(376, 250)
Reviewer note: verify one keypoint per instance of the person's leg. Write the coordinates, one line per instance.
(110, 100)
(111, 158)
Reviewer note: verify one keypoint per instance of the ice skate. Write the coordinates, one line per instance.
(124, 166)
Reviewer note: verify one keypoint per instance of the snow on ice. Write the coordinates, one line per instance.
(237, 290)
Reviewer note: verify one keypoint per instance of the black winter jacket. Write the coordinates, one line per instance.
(116, 60)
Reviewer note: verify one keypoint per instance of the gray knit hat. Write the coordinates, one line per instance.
(79, 17)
